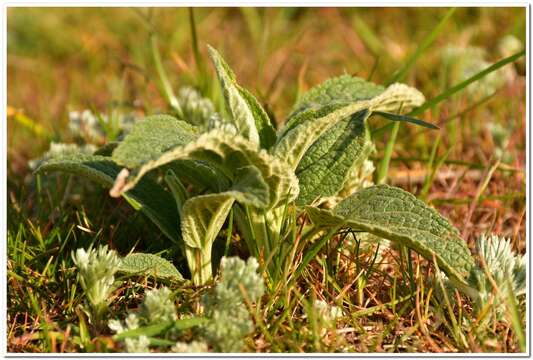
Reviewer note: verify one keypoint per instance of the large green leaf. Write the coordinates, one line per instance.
(397, 215)
(325, 166)
(344, 88)
(200, 174)
(246, 113)
(148, 196)
(150, 137)
(204, 215)
(149, 264)
(228, 153)
(313, 123)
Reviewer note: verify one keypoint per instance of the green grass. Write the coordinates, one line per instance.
(392, 299)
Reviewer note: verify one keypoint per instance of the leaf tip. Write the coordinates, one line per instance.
(120, 183)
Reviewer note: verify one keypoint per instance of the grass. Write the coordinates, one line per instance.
(392, 300)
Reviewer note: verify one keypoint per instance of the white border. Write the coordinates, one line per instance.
(276, 3)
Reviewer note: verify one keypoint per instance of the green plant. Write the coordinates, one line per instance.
(238, 163)
(225, 324)
(96, 273)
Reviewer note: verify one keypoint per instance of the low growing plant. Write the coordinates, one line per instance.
(189, 175)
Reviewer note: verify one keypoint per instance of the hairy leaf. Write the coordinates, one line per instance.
(344, 88)
(397, 215)
(204, 215)
(149, 264)
(147, 196)
(293, 144)
(247, 114)
(325, 166)
(151, 137)
(200, 174)
(228, 153)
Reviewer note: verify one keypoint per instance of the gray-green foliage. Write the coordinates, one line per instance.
(224, 326)
(157, 308)
(229, 318)
(397, 215)
(96, 270)
(149, 264)
(498, 264)
(240, 165)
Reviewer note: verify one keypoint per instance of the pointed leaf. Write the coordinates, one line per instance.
(149, 264)
(246, 113)
(397, 215)
(149, 197)
(409, 119)
(323, 170)
(312, 123)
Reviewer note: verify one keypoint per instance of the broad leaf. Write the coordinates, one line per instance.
(293, 144)
(228, 154)
(204, 215)
(200, 174)
(325, 166)
(397, 215)
(150, 137)
(247, 114)
(149, 264)
(147, 196)
(344, 88)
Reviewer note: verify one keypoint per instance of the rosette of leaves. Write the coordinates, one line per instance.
(188, 180)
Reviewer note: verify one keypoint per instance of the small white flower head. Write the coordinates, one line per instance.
(132, 322)
(327, 312)
(196, 109)
(96, 270)
(502, 262)
(229, 320)
(236, 273)
(137, 345)
(215, 121)
(497, 258)
(158, 306)
(509, 45)
(192, 347)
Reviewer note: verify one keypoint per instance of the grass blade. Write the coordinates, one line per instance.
(167, 87)
(402, 72)
(202, 73)
(454, 89)
(385, 161)
(412, 120)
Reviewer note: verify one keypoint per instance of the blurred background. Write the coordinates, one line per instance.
(63, 60)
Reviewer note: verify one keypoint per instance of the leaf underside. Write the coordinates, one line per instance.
(397, 215)
(229, 153)
(151, 198)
